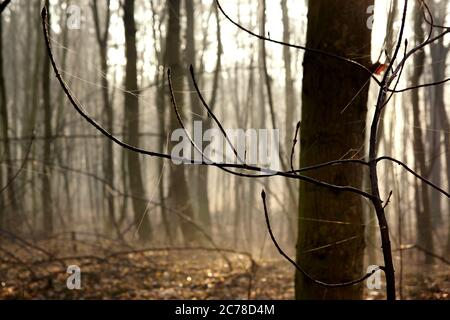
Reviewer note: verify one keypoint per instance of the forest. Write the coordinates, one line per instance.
(224, 150)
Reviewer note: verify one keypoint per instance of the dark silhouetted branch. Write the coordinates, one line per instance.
(388, 200)
(78, 108)
(294, 143)
(4, 4)
(316, 51)
(212, 115)
(415, 174)
(305, 273)
(25, 160)
(374, 184)
(424, 250)
(180, 121)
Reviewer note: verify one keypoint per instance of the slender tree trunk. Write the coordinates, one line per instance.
(423, 215)
(132, 124)
(160, 102)
(439, 53)
(47, 196)
(291, 105)
(4, 119)
(178, 186)
(59, 125)
(108, 161)
(200, 173)
(5, 125)
(31, 114)
(446, 127)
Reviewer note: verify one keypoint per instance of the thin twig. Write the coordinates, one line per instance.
(418, 176)
(316, 51)
(4, 4)
(424, 250)
(25, 160)
(388, 200)
(294, 143)
(212, 115)
(305, 273)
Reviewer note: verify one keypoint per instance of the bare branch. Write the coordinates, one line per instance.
(4, 4)
(78, 108)
(212, 115)
(180, 121)
(388, 200)
(374, 184)
(294, 143)
(316, 51)
(305, 273)
(25, 160)
(331, 163)
(418, 176)
(410, 54)
(424, 250)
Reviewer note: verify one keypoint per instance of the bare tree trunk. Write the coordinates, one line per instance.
(291, 105)
(108, 161)
(132, 124)
(423, 219)
(178, 186)
(160, 102)
(328, 133)
(5, 125)
(47, 196)
(59, 125)
(200, 173)
(439, 53)
(446, 127)
(31, 114)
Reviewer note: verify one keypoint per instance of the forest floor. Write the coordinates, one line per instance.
(27, 271)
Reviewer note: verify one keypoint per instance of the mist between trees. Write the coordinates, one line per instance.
(311, 137)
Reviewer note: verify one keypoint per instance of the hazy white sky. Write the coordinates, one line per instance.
(236, 43)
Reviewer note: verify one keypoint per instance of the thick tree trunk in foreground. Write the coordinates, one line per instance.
(328, 133)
